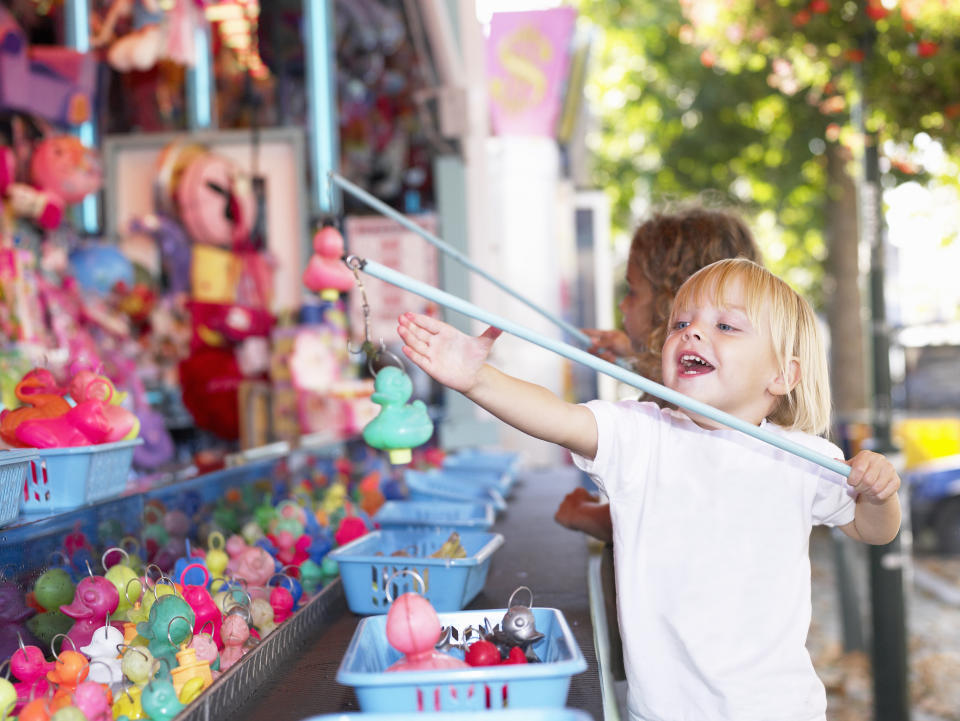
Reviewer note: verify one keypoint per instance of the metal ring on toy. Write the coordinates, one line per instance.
(215, 535)
(210, 621)
(126, 591)
(89, 570)
(54, 640)
(516, 591)
(6, 663)
(146, 573)
(102, 663)
(282, 575)
(402, 571)
(132, 541)
(170, 623)
(157, 660)
(124, 648)
(20, 642)
(103, 556)
(206, 575)
(165, 581)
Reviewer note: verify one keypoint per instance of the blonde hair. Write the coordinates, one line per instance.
(793, 329)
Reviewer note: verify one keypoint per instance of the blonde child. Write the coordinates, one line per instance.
(711, 526)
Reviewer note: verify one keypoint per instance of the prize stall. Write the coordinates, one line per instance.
(222, 489)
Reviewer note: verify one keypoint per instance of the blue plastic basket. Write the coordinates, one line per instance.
(431, 485)
(501, 461)
(13, 472)
(410, 515)
(526, 714)
(61, 479)
(367, 569)
(521, 686)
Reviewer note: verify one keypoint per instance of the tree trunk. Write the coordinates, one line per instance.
(842, 289)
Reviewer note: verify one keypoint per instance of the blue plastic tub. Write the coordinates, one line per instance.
(13, 473)
(433, 485)
(411, 515)
(522, 686)
(501, 461)
(367, 568)
(61, 479)
(526, 714)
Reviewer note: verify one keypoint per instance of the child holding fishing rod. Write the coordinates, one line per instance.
(711, 526)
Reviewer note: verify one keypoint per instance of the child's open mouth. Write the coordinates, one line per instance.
(692, 365)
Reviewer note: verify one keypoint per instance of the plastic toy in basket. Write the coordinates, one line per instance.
(410, 515)
(62, 479)
(14, 466)
(523, 686)
(413, 628)
(449, 583)
(433, 485)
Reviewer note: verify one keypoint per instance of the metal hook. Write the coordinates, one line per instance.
(210, 621)
(103, 557)
(401, 572)
(355, 264)
(516, 591)
(54, 640)
(89, 570)
(170, 623)
(146, 572)
(126, 591)
(66, 559)
(131, 541)
(6, 662)
(382, 351)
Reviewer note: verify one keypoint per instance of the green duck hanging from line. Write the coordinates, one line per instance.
(398, 427)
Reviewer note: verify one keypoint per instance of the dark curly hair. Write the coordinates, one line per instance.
(671, 246)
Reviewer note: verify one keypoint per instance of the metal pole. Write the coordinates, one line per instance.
(323, 126)
(200, 82)
(889, 651)
(77, 32)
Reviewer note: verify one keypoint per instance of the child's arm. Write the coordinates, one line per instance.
(458, 361)
(877, 516)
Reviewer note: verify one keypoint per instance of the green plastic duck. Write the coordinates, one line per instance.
(398, 427)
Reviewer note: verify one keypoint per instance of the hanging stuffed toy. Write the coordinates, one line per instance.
(160, 31)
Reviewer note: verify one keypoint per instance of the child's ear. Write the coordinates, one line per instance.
(783, 383)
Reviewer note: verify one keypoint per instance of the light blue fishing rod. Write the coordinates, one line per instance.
(575, 354)
(386, 210)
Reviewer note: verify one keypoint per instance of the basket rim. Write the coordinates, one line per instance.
(98, 448)
(345, 553)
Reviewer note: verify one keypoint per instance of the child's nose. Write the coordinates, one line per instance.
(691, 331)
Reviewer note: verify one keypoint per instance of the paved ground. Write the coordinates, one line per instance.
(932, 587)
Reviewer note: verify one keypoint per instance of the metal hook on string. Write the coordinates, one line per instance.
(372, 352)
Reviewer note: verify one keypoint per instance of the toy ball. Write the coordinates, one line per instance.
(62, 165)
(99, 267)
(483, 653)
(53, 589)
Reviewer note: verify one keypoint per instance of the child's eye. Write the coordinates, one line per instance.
(725, 326)
(681, 324)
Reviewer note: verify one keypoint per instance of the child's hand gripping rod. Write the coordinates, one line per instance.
(575, 354)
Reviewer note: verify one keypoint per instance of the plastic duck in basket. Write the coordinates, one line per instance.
(41, 398)
(95, 599)
(103, 649)
(326, 274)
(29, 666)
(399, 426)
(413, 628)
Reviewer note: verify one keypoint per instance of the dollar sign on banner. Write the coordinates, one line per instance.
(519, 54)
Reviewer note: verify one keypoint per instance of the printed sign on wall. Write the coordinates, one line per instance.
(528, 56)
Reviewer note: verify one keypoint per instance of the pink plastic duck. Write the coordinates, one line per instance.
(94, 600)
(413, 628)
(326, 274)
(29, 666)
(234, 633)
(202, 603)
(92, 698)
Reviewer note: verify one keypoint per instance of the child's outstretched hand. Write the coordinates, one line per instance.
(873, 477)
(443, 352)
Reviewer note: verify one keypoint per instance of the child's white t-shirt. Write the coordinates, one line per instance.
(711, 532)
